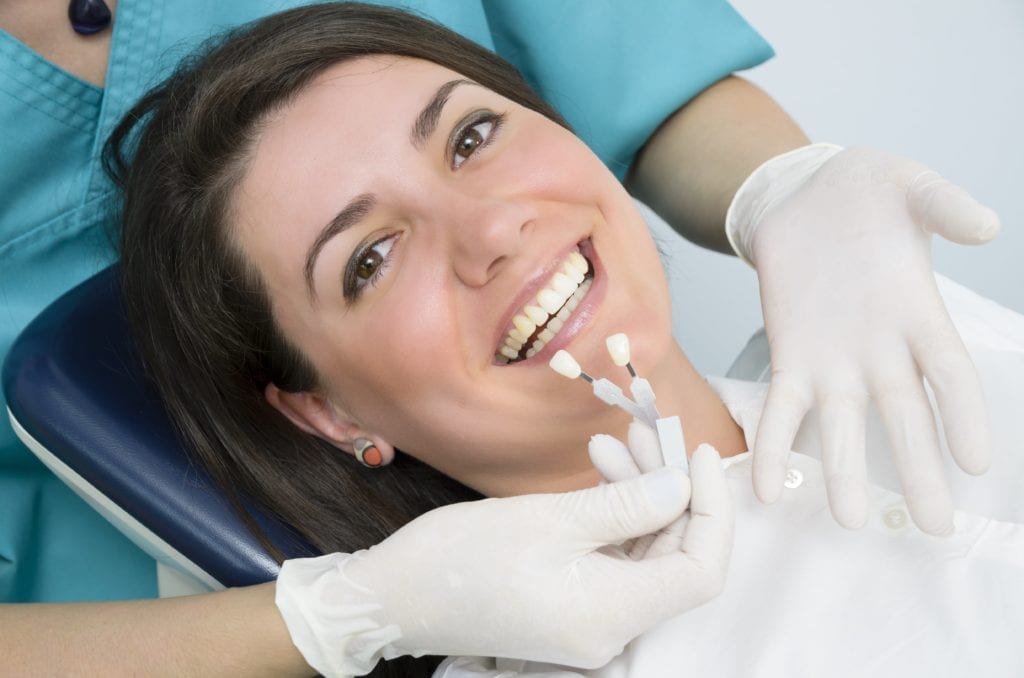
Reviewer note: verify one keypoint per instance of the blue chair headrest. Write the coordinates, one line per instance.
(74, 381)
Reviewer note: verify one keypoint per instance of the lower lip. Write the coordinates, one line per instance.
(580, 318)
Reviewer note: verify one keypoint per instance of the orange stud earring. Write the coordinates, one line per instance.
(367, 453)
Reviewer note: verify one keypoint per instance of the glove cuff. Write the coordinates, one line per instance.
(772, 181)
(330, 617)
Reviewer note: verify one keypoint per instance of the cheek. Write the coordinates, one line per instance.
(397, 354)
(547, 161)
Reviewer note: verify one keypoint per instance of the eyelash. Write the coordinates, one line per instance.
(471, 122)
(352, 286)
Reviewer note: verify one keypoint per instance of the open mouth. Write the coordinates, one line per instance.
(540, 319)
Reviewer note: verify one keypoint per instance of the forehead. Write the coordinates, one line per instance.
(352, 106)
(333, 140)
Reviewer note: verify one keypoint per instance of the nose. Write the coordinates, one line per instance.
(484, 235)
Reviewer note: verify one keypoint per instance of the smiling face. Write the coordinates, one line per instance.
(409, 224)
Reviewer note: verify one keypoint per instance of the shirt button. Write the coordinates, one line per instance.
(794, 478)
(895, 518)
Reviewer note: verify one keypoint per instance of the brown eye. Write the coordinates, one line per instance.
(470, 141)
(369, 264)
(473, 136)
(366, 266)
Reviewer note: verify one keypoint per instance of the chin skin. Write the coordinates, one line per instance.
(681, 391)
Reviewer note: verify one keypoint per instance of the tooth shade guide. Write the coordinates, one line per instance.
(618, 348)
(563, 363)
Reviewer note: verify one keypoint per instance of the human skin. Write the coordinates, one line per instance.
(466, 241)
(135, 637)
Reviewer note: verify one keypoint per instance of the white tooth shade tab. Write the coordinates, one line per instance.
(563, 363)
(618, 348)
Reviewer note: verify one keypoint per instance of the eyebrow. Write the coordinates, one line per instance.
(355, 210)
(426, 121)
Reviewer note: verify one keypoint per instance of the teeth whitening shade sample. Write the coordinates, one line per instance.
(670, 430)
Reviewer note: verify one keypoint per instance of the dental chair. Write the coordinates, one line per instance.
(78, 398)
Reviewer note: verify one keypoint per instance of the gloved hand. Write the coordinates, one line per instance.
(841, 243)
(616, 462)
(530, 577)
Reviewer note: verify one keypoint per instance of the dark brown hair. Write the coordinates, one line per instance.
(200, 312)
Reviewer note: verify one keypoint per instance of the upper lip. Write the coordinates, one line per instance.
(535, 282)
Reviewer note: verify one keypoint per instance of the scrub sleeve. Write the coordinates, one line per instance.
(614, 70)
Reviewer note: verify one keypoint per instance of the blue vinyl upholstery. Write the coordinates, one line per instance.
(73, 380)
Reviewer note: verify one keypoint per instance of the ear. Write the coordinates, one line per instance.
(316, 415)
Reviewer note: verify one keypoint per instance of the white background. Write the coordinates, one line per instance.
(940, 81)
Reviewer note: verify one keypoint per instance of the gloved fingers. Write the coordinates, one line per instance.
(668, 540)
(939, 206)
(613, 513)
(611, 458)
(842, 421)
(638, 549)
(694, 572)
(708, 536)
(644, 446)
(950, 372)
(908, 417)
(786, 404)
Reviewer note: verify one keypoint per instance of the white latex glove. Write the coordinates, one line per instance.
(616, 461)
(841, 243)
(529, 577)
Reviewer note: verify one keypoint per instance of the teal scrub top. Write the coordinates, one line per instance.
(614, 70)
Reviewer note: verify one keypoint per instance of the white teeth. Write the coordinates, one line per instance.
(572, 273)
(537, 315)
(579, 262)
(550, 310)
(562, 284)
(525, 326)
(550, 301)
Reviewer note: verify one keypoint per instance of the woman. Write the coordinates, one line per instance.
(368, 253)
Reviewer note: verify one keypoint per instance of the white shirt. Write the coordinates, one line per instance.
(805, 597)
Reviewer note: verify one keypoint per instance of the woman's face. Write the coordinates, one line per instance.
(402, 219)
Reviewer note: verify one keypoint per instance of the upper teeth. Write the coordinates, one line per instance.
(558, 298)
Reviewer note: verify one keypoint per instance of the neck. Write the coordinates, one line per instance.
(680, 390)
(705, 419)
